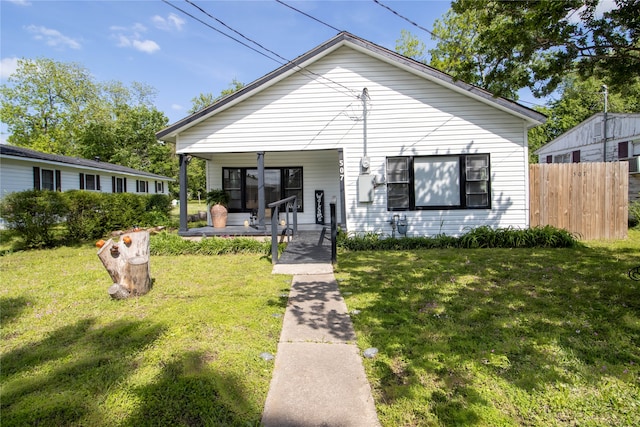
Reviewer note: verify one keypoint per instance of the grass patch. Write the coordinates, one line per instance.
(187, 353)
(500, 336)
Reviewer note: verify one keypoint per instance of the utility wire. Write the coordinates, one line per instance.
(405, 18)
(308, 16)
(221, 32)
(282, 61)
(235, 31)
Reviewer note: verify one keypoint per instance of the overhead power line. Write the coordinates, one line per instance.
(405, 18)
(235, 31)
(308, 16)
(218, 31)
(282, 60)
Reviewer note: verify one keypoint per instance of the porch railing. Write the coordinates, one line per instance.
(290, 206)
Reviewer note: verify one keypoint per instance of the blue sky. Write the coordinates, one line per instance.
(150, 41)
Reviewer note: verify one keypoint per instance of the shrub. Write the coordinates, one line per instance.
(480, 237)
(85, 219)
(34, 214)
(171, 244)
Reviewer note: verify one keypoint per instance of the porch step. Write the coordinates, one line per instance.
(307, 253)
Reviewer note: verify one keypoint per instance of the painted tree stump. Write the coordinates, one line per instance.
(127, 262)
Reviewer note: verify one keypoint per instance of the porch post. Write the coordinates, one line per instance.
(262, 206)
(183, 160)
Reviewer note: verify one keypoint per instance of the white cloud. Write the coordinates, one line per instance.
(53, 37)
(8, 66)
(177, 107)
(170, 23)
(132, 38)
(148, 46)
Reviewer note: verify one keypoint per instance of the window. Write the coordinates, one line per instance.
(142, 186)
(549, 159)
(623, 150)
(575, 156)
(159, 187)
(242, 186)
(118, 185)
(89, 182)
(438, 182)
(562, 158)
(47, 179)
(398, 182)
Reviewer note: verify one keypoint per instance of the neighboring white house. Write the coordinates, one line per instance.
(380, 133)
(24, 169)
(586, 143)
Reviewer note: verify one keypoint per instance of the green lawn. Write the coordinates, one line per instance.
(500, 337)
(466, 337)
(187, 353)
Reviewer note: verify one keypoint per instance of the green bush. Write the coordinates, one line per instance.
(171, 244)
(85, 219)
(480, 237)
(87, 215)
(34, 215)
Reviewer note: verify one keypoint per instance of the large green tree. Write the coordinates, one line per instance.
(59, 108)
(459, 54)
(510, 45)
(47, 105)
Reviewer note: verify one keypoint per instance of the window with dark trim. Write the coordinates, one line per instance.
(242, 186)
(118, 185)
(438, 182)
(89, 182)
(142, 186)
(549, 158)
(47, 179)
(623, 150)
(159, 187)
(575, 156)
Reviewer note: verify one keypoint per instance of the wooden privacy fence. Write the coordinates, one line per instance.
(588, 199)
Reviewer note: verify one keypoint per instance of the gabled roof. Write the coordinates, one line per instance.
(626, 117)
(26, 153)
(346, 39)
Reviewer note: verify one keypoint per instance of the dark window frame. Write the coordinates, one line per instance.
(285, 191)
(623, 150)
(116, 182)
(463, 188)
(85, 181)
(142, 186)
(39, 181)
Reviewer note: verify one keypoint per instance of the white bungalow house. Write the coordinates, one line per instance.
(586, 142)
(25, 169)
(379, 133)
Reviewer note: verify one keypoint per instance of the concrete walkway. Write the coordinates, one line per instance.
(318, 378)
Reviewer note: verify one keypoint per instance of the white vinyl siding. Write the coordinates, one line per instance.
(18, 175)
(407, 115)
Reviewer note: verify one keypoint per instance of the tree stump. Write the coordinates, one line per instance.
(127, 262)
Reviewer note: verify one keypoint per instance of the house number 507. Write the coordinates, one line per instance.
(341, 165)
